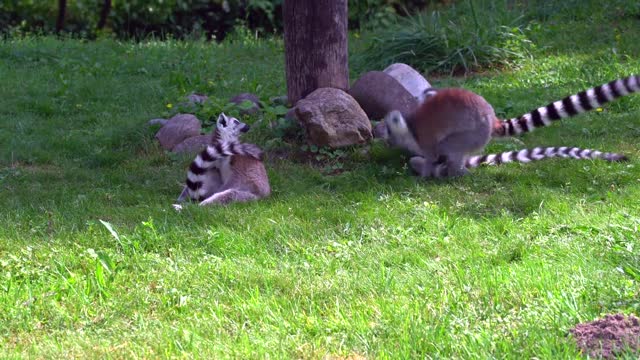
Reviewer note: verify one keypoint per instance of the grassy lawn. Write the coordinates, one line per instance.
(373, 263)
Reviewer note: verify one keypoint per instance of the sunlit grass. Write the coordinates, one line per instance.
(94, 261)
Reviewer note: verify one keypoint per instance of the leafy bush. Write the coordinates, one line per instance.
(33, 15)
(182, 18)
(471, 35)
(376, 13)
(138, 18)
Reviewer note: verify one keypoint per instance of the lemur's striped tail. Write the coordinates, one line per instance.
(540, 153)
(567, 107)
(207, 159)
(528, 155)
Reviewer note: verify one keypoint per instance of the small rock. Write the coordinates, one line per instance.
(240, 98)
(192, 144)
(160, 122)
(378, 93)
(288, 124)
(280, 100)
(178, 128)
(291, 114)
(409, 78)
(195, 98)
(380, 131)
(333, 118)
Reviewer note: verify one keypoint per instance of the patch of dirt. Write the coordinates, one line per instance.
(609, 337)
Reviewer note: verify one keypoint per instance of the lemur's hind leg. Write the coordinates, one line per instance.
(429, 168)
(454, 149)
(228, 196)
(423, 166)
(452, 166)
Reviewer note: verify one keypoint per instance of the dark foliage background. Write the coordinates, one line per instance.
(179, 18)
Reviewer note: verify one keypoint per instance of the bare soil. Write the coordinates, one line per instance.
(608, 337)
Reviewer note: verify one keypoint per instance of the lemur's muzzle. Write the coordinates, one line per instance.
(245, 128)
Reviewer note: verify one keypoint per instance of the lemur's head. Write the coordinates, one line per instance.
(399, 134)
(397, 128)
(229, 128)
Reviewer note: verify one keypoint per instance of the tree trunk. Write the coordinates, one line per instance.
(315, 42)
(104, 14)
(62, 11)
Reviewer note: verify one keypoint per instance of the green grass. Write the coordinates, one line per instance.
(371, 262)
(483, 35)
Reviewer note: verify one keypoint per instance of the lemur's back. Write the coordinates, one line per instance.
(250, 175)
(450, 111)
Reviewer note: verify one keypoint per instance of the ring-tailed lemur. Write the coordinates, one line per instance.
(445, 129)
(236, 176)
(569, 106)
(524, 156)
(224, 139)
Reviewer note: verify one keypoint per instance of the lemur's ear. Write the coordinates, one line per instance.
(426, 94)
(222, 120)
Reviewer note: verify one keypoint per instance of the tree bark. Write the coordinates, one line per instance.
(315, 41)
(62, 11)
(104, 14)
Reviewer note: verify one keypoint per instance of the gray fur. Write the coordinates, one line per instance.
(242, 179)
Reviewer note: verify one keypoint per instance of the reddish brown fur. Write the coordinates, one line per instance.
(441, 113)
(498, 128)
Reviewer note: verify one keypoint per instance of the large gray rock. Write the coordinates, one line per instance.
(192, 144)
(240, 98)
(378, 93)
(178, 128)
(398, 87)
(333, 118)
(409, 78)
